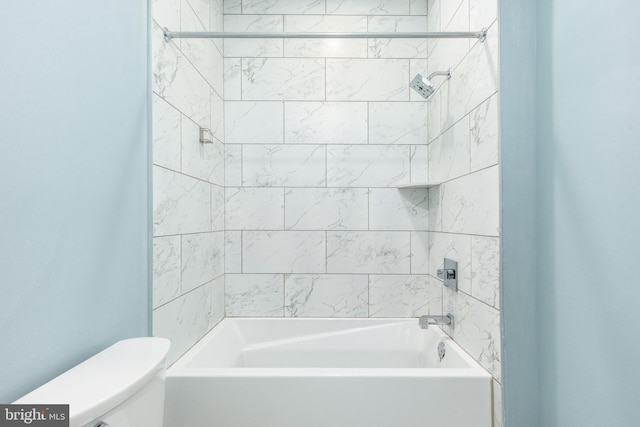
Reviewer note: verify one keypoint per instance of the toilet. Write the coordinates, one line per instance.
(122, 386)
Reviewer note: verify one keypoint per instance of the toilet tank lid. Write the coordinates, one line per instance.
(102, 382)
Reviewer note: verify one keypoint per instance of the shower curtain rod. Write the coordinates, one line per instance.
(482, 34)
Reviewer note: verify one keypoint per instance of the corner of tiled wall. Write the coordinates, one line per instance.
(188, 177)
(463, 155)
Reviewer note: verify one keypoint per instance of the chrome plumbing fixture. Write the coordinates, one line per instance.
(441, 350)
(449, 274)
(424, 87)
(425, 321)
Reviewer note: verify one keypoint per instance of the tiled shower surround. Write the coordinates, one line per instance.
(319, 134)
(294, 211)
(188, 177)
(463, 155)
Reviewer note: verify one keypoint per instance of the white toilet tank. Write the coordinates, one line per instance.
(122, 386)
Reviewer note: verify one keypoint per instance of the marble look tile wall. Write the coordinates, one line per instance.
(318, 135)
(463, 155)
(294, 210)
(188, 177)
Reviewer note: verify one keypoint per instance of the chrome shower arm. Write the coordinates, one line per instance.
(440, 73)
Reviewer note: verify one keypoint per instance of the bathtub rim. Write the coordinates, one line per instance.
(181, 369)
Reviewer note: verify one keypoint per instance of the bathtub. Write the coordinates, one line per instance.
(326, 373)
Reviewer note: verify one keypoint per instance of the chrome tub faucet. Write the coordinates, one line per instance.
(425, 321)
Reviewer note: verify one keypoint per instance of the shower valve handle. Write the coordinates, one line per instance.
(446, 274)
(449, 274)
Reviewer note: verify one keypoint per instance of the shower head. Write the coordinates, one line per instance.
(424, 87)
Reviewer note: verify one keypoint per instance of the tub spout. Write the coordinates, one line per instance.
(425, 321)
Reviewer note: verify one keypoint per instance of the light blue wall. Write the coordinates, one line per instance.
(74, 172)
(518, 212)
(588, 159)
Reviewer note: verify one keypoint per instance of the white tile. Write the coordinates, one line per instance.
(325, 122)
(232, 79)
(367, 79)
(202, 259)
(394, 209)
(184, 321)
(477, 329)
(485, 269)
(181, 204)
(283, 6)
(325, 48)
(216, 23)
(449, 52)
(254, 208)
(217, 115)
(217, 301)
(404, 296)
(368, 252)
(397, 123)
(233, 165)
(434, 22)
(397, 48)
(203, 161)
(471, 204)
(449, 8)
(308, 295)
(254, 295)
(254, 122)
(283, 252)
(177, 81)
(483, 13)
(284, 165)
(166, 13)
(217, 208)
(283, 79)
(166, 134)
(419, 163)
(449, 154)
(201, 52)
(201, 8)
(253, 48)
(368, 7)
(326, 209)
(217, 12)
(418, 7)
(480, 66)
(420, 253)
(232, 6)
(233, 252)
(367, 166)
(484, 134)
(166, 269)
(433, 116)
(435, 208)
(453, 246)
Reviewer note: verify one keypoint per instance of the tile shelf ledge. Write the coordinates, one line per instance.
(419, 185)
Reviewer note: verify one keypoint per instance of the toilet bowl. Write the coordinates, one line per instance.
(122, 386)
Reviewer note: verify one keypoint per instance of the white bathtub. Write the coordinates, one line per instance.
(326, 373)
